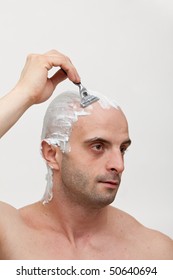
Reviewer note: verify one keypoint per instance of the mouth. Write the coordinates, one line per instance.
(110, 184)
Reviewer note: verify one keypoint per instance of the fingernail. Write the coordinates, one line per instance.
(78, 79)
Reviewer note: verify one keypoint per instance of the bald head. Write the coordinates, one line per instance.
(67, 124)
(64, 111)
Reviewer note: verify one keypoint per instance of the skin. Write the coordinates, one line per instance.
(79, 223)
(90, 142)
(34, 86)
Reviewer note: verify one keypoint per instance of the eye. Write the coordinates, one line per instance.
(123, 149)
(98, 147)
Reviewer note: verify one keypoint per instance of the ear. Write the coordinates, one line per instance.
(51, 154)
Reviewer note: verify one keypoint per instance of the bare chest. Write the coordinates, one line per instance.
(44, 246)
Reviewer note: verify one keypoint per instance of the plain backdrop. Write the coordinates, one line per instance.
(123, 49)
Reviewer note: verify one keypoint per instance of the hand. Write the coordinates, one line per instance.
(34, 81)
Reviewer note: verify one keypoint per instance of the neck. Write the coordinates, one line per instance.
(75, 221)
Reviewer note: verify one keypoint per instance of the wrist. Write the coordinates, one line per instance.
(22, 96)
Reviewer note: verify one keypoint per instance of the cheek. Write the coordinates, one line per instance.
(74, 177)
(78, 163)
(75, 158)
(66, 172)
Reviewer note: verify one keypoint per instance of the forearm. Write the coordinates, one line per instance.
(12, 107)
(34, 86)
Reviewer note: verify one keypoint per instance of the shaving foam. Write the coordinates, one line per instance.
(60, 116)
(62, 112)
(105, 102)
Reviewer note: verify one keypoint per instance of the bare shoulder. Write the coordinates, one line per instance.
(6, 209)
(8, 214)
(10, 218)
(158, 245)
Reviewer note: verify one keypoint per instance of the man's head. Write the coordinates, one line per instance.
(85, 148)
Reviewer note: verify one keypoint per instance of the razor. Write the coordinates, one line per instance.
(86, 98)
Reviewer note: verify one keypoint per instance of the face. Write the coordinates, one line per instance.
(91, 171)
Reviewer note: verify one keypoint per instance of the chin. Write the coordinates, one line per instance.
(100, 203)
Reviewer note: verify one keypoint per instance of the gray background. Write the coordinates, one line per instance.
(123, 49)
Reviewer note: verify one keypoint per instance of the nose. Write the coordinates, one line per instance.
(115, 162)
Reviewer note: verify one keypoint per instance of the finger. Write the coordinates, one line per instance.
(53, 52)
(57, 59)
(58, 77)
(70, 71)
(67, 66)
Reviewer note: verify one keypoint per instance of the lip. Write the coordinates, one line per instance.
(110, 184)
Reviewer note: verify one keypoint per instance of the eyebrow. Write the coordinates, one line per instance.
(127, 142)
(99, 139)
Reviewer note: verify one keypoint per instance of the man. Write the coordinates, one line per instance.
(85, 163)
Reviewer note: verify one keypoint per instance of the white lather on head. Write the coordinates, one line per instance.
(61, 114)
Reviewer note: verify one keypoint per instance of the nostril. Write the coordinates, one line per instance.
(113, 169)
(116, 171)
